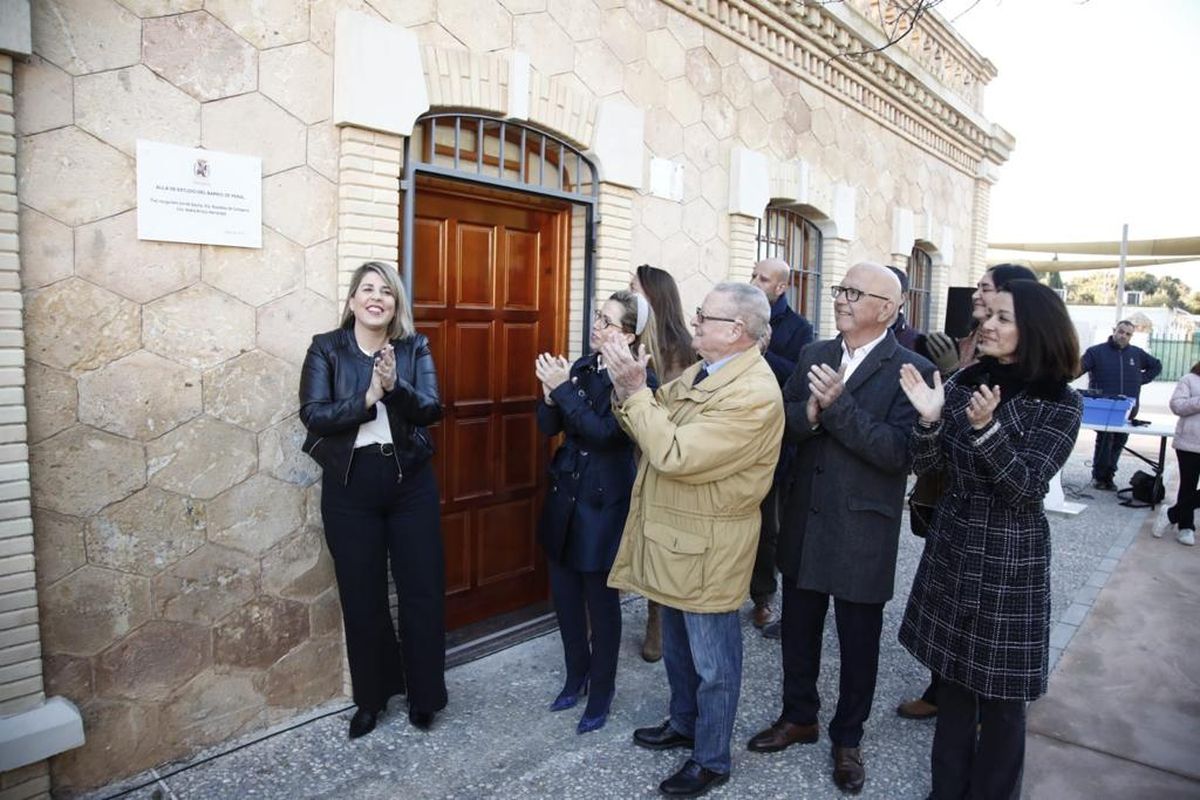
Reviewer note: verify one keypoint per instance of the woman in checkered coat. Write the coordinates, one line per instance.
(979, 611)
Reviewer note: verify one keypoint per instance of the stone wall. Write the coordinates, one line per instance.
(185, 592)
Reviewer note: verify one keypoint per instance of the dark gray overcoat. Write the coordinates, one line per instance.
(979, 610)
(840, 526)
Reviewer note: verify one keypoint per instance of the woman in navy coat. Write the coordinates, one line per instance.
(591, 477)
(979, 611)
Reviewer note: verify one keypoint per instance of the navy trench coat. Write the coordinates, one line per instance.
(591, 474)
(979, 610)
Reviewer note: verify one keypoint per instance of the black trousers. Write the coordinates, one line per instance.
(1106, 455)
(580, 598)
(369, 522)
(978, 746)
(1185, 500)
(858, 628)
(930, 694)
(762, 579)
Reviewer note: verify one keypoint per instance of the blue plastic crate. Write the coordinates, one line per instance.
(1106, 410)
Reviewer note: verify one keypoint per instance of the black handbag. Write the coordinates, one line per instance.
(923, 500)
(1144, 490)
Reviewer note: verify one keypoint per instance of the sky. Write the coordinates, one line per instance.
(1103, 97)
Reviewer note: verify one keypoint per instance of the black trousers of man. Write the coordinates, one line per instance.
(370, 521)
(978, 746)
(858, 627)
(762, 579)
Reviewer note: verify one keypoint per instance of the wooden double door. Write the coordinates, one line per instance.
(490, 292)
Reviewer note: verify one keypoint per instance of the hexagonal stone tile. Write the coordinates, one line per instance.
(768, 100)
(202, 458)
(719, 115)
(51, 401)
(255, 276)
(199, 55)
(153, 660)
(42, 94)
(69, 676)
(686, 30)
(650, 15)
(90, 609)
(621, 32)
(643, 86)
(312, 506)
(664, 135)
(407, 13)
(74, 325)
(300, 567)
(83, 36)
(254, 390)
(524, 6)
(146, 532)
(260, 633)
(141, 396)
(320, 268)
(322, 17)
(579, 20)
(74, 177)
(251, 124)
(550, 49)
(665, 54)
(213, 707)
(198, 326)
(287, 325)
(263, 23)
(598, 68)
(58, 545)
(205, 586)
(82, 470)
(699, 221)
(307, 675)
(120, 732)
(661, 217)
(301, 205)
(280, 456)
(752, 128)
(683, 101)
(693, 288)
(702, 70)
(783, 141)
(714, 259)
(325, 614)
(701, 146)
(256, 514)
(714, 186)
(681, 255)
(736, 86)
(110, 254)
(823, 128)
(324, 143)
(123, 106)
(298, 77)
(160, 8)
(47, 249)
(797, 114)
(481, 25)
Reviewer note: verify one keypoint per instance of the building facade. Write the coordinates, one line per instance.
(162, 565)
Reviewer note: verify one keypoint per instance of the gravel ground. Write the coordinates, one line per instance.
(497, 740)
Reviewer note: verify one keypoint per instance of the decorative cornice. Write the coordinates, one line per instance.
(888, 86)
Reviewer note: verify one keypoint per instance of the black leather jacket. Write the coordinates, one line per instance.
(333, 382)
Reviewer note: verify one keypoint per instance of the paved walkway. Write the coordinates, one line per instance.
(1120, 719)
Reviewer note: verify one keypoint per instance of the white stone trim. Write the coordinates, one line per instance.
(15, 28)
(52, 728)
(844, 210)
(904, 232)
(520, 76)
(618, 142)
(378, 79)
(749, 183)
(666, 179)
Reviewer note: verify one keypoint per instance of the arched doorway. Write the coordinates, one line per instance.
(496, 243)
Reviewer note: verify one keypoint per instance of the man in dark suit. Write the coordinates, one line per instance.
(840, 528)
(790, 332)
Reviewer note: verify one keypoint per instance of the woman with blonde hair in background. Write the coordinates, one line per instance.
(672, 354)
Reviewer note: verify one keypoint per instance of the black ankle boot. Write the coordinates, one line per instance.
(362, 723)
(422, 720)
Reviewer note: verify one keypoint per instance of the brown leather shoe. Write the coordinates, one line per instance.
(781, 736)
(762, 616)
(848, 771)
(917, 709)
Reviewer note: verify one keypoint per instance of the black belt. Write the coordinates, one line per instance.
(385, 449)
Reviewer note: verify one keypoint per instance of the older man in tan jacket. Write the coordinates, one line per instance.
(709, 442)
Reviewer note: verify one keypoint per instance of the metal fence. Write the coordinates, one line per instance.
(1177, 356)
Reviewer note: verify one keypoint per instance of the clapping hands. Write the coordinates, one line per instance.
(628, 373)
(383, 374)
(552, 371)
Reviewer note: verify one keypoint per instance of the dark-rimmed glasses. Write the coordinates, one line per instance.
(854, 295)
(598, 319)
(703, 318)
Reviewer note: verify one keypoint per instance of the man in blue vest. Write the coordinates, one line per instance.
(789, 333)
(1116, 367)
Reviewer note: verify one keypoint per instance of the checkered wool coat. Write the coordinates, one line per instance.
(979, 611)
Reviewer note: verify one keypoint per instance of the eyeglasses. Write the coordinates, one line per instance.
(598, 319)
(703, 318)
(854, 295)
